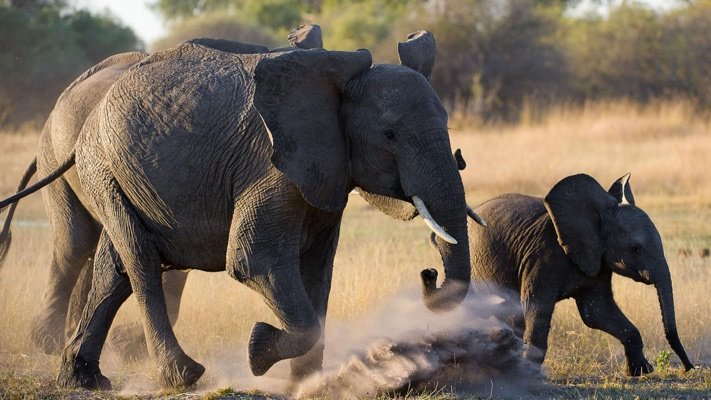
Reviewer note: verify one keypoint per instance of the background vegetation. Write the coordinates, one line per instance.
(499, 60)
(44, 45)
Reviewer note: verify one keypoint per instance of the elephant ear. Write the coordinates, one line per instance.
(306, 37)
(298, 95)
(621, 190)
(418, 52)
(392, 207)
(580, 208)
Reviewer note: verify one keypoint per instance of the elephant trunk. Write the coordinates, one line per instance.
(666, 302)
(443, 199)
(457, 268)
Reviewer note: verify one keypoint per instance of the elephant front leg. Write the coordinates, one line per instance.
(287, 298)
(263, 253)
(598, 310)
(316, 273)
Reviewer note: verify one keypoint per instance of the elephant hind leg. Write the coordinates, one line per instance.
(128, 340)
(75, 234)
(80, 359)
(139, 254)
(175, 368)
(79, 296)
(137, 249)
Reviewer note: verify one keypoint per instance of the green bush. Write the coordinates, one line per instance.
(497, 56)
(639, 54)
(218, 25)
(43, 48)
(492, 55)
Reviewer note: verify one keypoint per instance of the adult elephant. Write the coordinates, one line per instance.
(569, 245)
(74, 221)
(178, 163)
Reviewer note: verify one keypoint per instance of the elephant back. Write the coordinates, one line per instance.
(498, 250)
(71, 111)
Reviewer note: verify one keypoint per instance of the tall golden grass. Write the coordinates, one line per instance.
(665, 146)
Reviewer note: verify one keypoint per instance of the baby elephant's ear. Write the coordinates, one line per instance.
(298, 95)
(580, 208)
(621, 190)
(418, 52)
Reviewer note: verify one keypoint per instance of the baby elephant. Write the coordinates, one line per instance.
(568, 245)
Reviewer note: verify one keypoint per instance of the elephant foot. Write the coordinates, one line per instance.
(48, 335)
(128, 342)
(182, 371)
(639, 367)
(75, 372)
(268, 345)
(262, 348)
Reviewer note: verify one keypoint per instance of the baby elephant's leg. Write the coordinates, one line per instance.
(599, 311)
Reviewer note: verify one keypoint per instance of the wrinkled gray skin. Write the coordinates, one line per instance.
(568, 245)
(178, 165)
(75, 229)
(74, 222)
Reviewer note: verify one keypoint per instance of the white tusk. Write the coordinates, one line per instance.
(479, 220)
(431, 223)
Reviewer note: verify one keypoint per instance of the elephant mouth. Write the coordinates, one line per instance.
(646, 277)
(637, 275)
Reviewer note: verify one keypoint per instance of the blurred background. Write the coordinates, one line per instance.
(499, 61)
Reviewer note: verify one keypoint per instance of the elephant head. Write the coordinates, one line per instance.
(338, 122)
(606, 230)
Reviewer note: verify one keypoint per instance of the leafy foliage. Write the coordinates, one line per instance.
(497, 59)
(663, 360)
(640, 54)
(217, 25)
(494, 54)
(43, 47)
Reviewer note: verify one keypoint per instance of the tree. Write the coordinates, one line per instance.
(219, 25)
(43, 47)
(277, 15)
(493, 54)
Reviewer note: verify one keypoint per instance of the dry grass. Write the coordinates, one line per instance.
(664, 146)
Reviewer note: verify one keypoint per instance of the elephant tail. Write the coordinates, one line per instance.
(23, 191)
(5, 235)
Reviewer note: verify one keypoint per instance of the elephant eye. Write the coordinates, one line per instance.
(390, 134)
(635, 248)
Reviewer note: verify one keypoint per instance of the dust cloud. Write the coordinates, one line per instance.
(400, 348)
(404, 348)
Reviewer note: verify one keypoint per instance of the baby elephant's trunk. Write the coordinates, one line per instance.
(666, 302)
